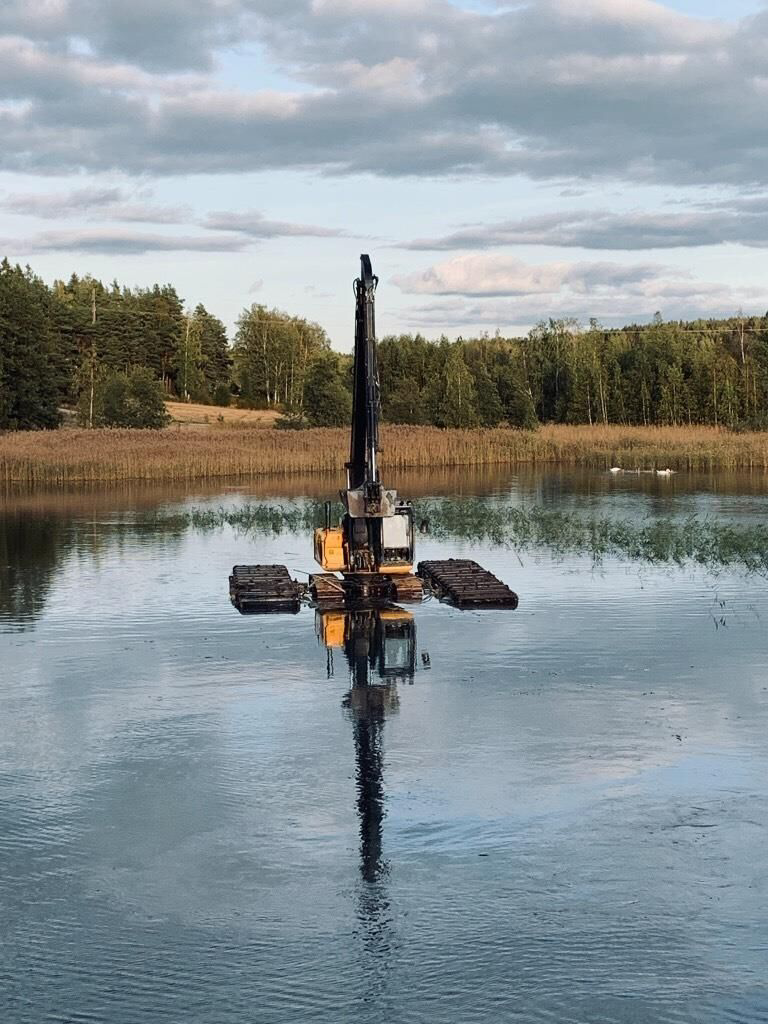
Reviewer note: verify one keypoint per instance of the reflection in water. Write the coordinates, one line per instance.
(574, 819)
(37, 540)
(31, 550)
(716, 520)
(380, 649)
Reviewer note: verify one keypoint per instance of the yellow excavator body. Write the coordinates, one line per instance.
(331, 553)
(329, 549)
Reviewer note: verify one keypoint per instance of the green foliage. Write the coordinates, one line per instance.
(328, 398)
(53, 341)
(201, 363)
(215, 357)
(691, 540)
(272, 354)
(188, 362)
(32, 380)
(292, 421)
(490, 411)
(132, 399)
(521, 412)
(133, 327)
(703, 372)
(451, 398)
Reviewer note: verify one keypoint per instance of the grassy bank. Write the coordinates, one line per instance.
(104, 456)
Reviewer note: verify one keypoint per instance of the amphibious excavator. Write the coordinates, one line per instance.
(368, 557)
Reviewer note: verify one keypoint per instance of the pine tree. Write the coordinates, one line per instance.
(29, 384)
(214, 349)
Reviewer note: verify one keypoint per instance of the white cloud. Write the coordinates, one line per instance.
(513, 292)
(492, 274)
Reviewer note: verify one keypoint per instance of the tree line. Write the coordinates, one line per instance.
(712, 372)
(114, 353)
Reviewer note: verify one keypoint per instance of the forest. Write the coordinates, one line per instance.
(113, 353)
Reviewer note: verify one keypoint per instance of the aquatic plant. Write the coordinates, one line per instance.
(691, 540)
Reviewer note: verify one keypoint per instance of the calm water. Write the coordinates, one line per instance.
(557, 814)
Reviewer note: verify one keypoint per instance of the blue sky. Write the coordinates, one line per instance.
(501, 163)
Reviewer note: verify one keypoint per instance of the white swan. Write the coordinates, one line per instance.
(615, 469)
(665, 472)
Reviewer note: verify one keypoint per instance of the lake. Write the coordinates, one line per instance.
(553, 814)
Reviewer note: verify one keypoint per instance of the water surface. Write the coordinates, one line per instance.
(553, 814)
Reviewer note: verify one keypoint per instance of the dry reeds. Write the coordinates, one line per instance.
(106, 456)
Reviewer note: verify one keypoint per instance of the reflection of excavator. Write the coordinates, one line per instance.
(374, 640)
(380, 649)
(373, 547)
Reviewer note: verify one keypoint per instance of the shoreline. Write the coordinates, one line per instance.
(63, 458)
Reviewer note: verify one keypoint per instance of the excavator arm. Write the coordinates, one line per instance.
(362, 468)
(376, 533)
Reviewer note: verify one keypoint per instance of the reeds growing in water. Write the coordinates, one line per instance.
(692, 540)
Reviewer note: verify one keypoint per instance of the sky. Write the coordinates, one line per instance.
(501, 162)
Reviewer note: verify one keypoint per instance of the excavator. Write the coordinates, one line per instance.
(373, 546)
(368, 558)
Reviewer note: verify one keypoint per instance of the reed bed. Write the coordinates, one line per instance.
(65, 457)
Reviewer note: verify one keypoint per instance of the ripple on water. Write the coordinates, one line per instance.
(561, 820)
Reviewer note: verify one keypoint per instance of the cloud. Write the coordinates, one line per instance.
(119, 242)
(229, 231)
(256, 225)
(172, 35)
(626, 89)
(744, 222)
(93, 203)
(495, 275)
(454, 316)
(513, 292)
(60, 204)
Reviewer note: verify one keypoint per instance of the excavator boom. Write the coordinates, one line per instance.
(362, 468)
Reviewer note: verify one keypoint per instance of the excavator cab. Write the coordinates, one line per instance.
(364, 545)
